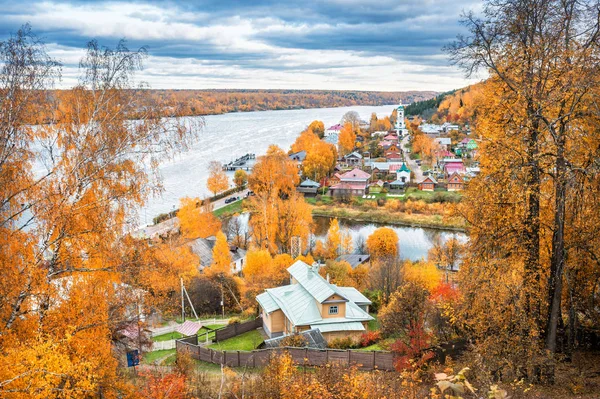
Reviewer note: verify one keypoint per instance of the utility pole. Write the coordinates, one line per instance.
(182, 303)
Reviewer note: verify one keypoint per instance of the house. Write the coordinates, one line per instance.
(333, 130)
(403, 173)
(308, 187)
(353, 159)
(353, 182)
(444, 142)
(397, 186)
(203, 247)
(427, 184)
(468, 144)
(311, 302)
(298, 157)
(452, 165)
(332, 139)
(379, 133)
(393, 156)
(376, 188)
(431, 129)
(455, 182)
(449, 127)
(354, 260)
(391, 137)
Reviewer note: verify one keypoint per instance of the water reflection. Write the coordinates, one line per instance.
(414, 242)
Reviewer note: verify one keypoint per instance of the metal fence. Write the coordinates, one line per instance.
(371, 360)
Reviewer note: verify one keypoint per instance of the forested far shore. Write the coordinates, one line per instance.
(221, 101)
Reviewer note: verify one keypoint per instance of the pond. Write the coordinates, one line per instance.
(414, 242)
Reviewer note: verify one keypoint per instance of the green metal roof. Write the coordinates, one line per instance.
(404, 168)
(347, 326)
(354, 295)
(312, 281)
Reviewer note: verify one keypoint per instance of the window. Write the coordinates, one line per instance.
(333, 309)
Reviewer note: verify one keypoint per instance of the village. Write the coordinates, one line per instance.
(328, 304)
(384, 162)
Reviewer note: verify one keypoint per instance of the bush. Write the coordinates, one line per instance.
(380, 201)
(342, 343)
(234, 320)
(294, 340)
(369, 338)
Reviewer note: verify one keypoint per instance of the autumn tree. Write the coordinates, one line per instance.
(407, 306)
(352, 118)
(240, 178)
(217, 179)
(274, 174)
(64, 221)
(221, 262)
(447, 254)
(320, 157)
(318, 128)
(383, 243)
(197, 220)
(339, 272)
(527, 207)
(347, 139)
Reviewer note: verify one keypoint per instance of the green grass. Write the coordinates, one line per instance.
(373, 325)
(244, 342)
(151, 357)
(433, 196)
(230, 209)
(167, 337)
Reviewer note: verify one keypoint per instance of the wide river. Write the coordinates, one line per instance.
(228, 136)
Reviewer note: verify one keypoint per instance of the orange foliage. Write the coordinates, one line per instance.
(383, 243)
(197, 222)
(347, 139)
(221, 264)
(217, 179)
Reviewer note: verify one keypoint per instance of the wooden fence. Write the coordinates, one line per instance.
(302, 356)
(236, 329)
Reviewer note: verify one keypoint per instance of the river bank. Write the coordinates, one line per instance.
(384, 216)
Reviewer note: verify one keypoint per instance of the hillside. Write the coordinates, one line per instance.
(210, 102)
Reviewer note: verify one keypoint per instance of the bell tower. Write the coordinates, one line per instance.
(400, 125)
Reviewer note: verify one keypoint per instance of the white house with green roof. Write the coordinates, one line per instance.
(311, 302)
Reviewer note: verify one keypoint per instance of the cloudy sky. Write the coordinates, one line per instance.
(327, 44)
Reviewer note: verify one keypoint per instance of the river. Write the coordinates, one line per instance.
(228, 136)
(414, 242)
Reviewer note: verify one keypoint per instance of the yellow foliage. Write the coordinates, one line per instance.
(197, 221)
(383, 243)
(217, 179)
(221, 263)
(425, 274)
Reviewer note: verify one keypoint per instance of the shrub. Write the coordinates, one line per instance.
(369, 338)
(342, 343)
(294, 340)
(380, 201)
(234, 320)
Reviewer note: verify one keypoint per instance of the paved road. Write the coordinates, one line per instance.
(412, 165)
(173, 223)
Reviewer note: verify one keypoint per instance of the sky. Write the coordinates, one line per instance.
(259, 44)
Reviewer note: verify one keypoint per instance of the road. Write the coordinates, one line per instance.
(412, 164)
(169, 225)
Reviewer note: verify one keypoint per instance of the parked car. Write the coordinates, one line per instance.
(250, 193)
(231, 199)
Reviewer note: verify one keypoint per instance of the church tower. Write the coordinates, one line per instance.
(400, 125)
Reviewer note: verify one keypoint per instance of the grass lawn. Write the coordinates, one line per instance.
(429, 196)
(167, 337)
(151, 357)
(244, 342)
(230, 209)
